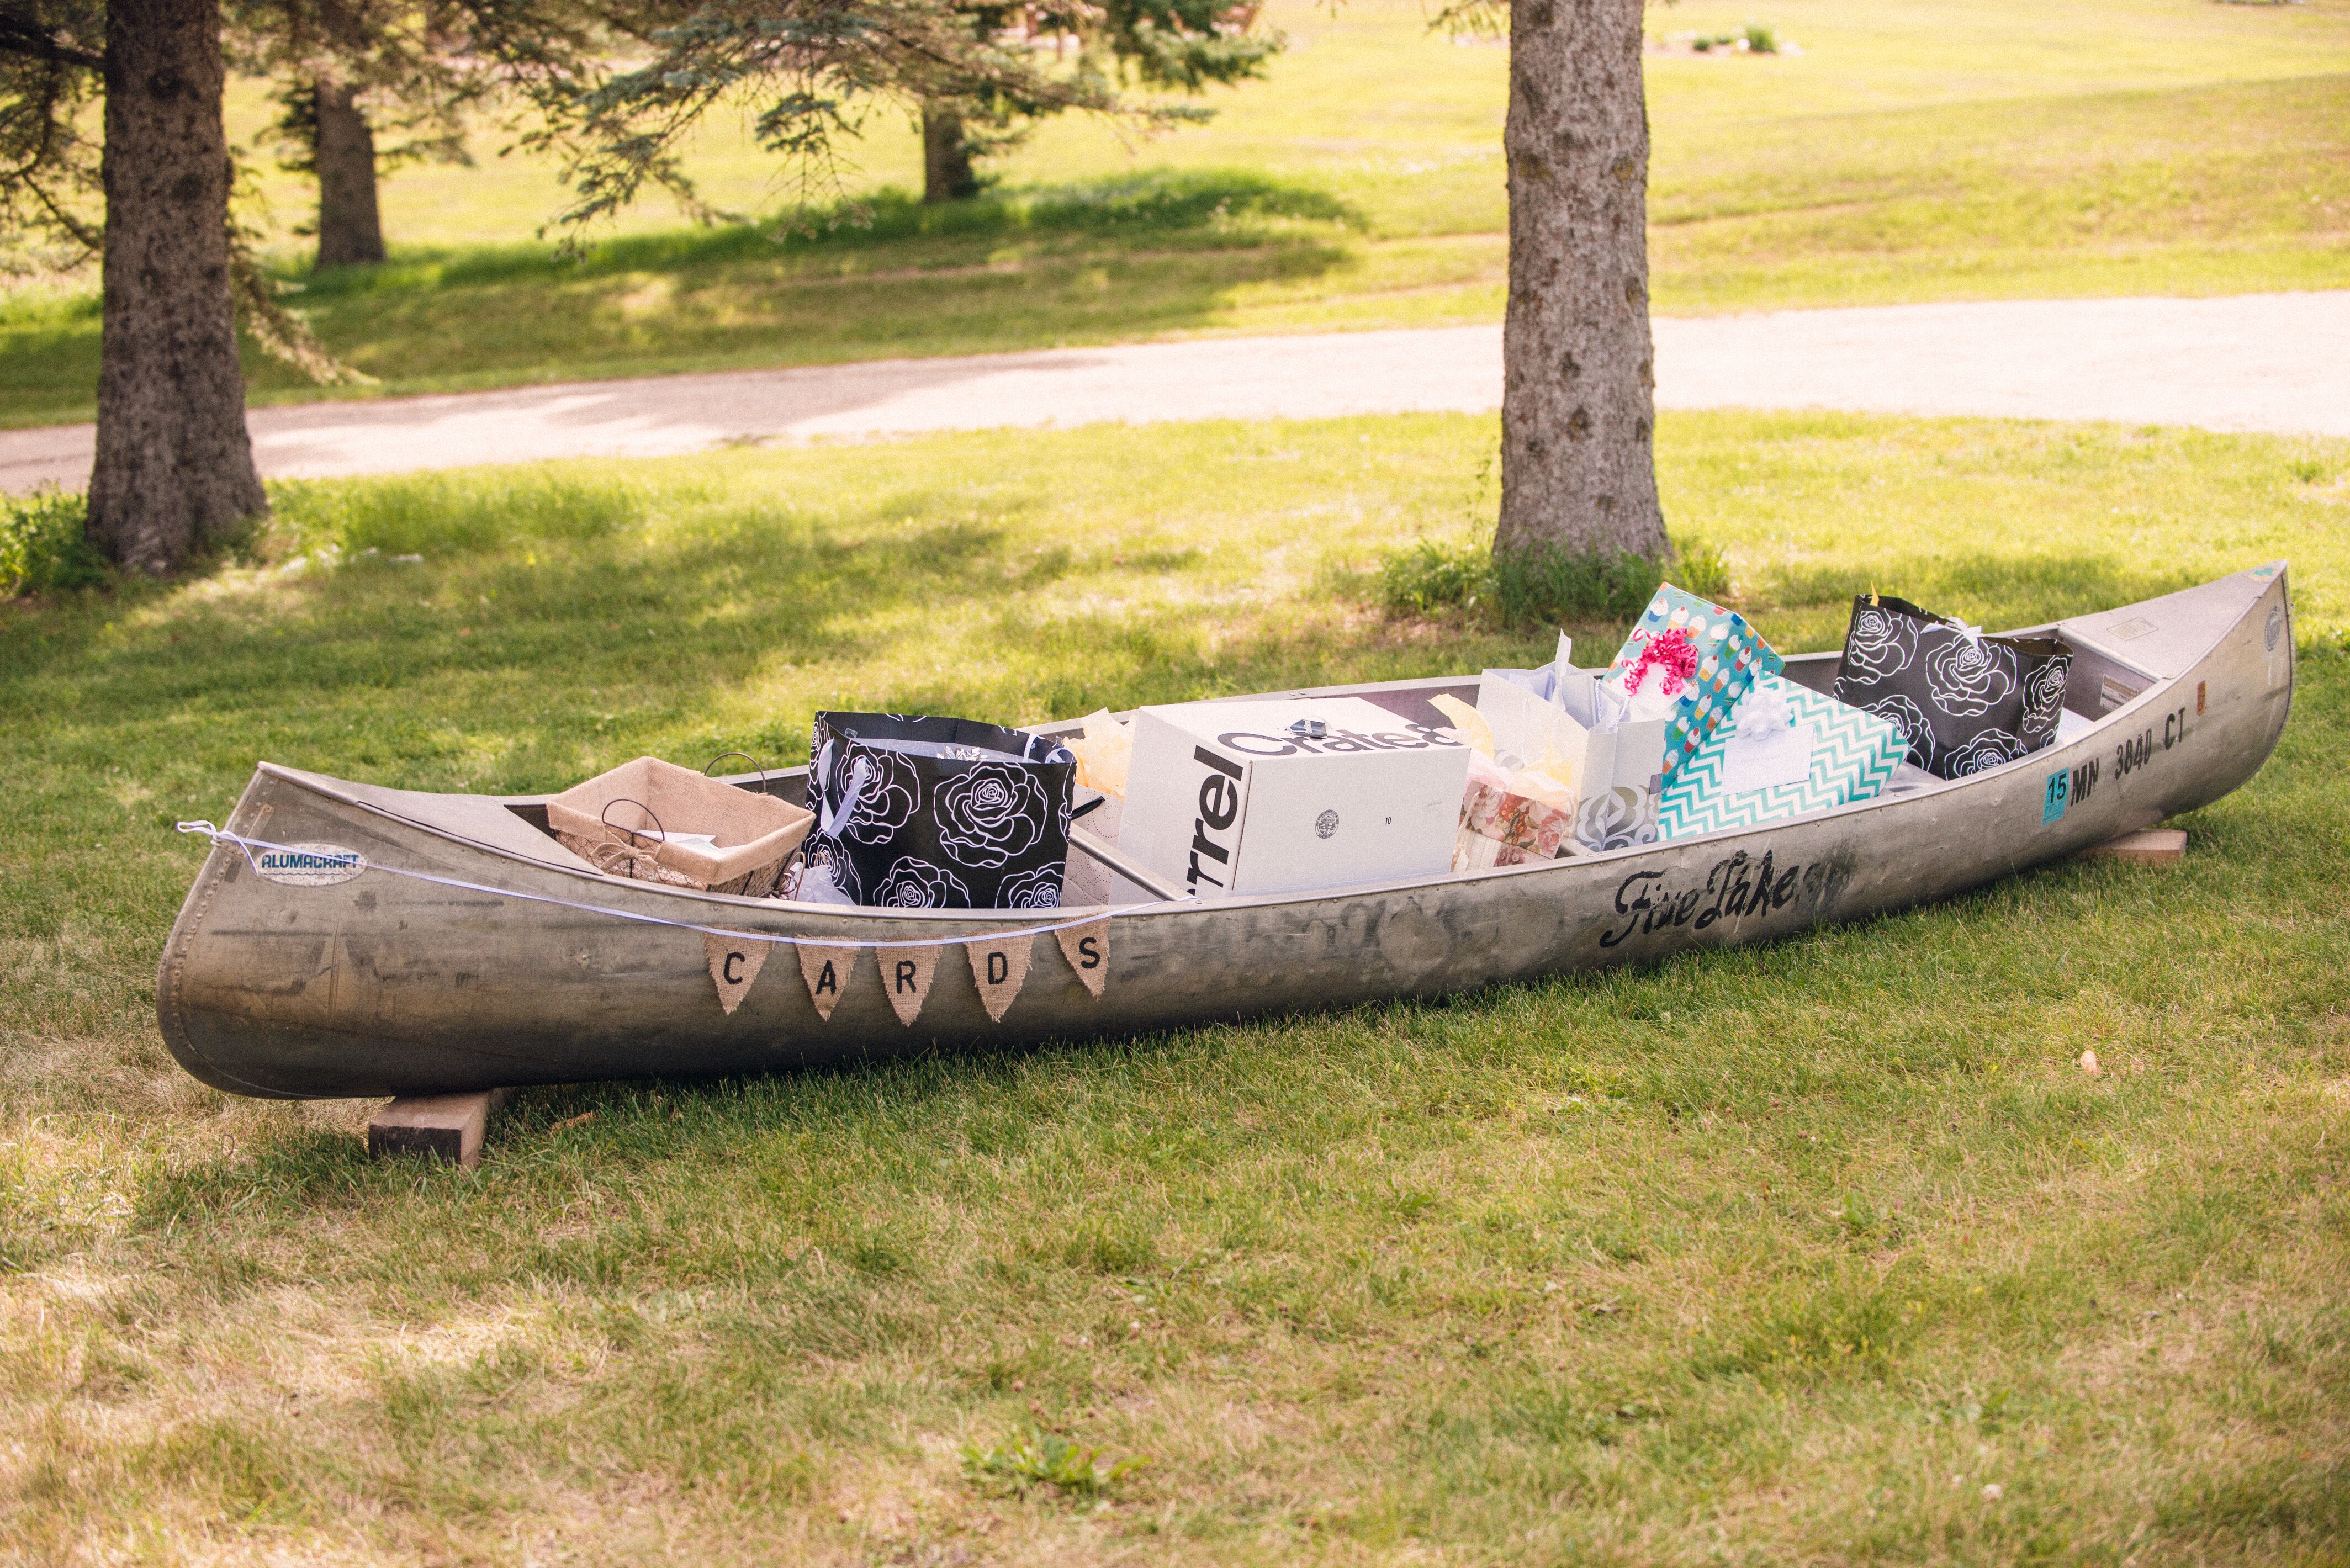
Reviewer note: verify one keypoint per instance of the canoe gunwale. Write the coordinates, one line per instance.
(2156, 686)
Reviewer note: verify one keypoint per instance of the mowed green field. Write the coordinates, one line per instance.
(1828, 1250)
(1903, 151)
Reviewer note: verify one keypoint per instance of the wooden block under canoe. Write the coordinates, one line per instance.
(440, 1127)
(2148, 847)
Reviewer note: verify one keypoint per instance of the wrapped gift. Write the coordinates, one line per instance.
(932, 813)
(1787, 750)
(1688, 662)
(1509, 819)
(1564, 723)
(1965, 701)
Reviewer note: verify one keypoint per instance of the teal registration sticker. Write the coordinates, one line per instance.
(2058, 796)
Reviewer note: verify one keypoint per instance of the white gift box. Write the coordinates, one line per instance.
(1227, 798)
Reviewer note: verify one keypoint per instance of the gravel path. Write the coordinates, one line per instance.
(2277, 362)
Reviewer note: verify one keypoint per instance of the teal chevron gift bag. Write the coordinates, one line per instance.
(1786, 751)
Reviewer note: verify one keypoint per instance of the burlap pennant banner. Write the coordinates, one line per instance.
(1087, 946)
(1000, 968)
(906, 975)
(734, 964)
(827, 970)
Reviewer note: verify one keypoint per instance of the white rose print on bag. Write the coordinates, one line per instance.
(912, 884)
(938, 813)
(1880, 644)
(1038, 889)
(990, 812)
(890, 794)
(1965, 701)
(2044, 700)
(1905, 715)
(1970, 675)
(1990, 749)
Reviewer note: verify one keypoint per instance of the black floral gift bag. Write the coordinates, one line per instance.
(1965, 701)
(939, 814)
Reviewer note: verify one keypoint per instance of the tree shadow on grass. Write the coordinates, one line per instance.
(1237, 206)
(2015, 590)
(1093, 262)
(560, 616)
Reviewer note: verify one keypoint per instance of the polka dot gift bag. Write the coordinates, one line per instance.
(1688, 661)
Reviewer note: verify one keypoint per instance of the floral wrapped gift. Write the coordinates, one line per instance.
(1963, 701)
(1786, 752)
(924, 812)
(1502, 827)
(1688, 662)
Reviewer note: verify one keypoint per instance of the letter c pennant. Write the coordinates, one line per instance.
(734, 963)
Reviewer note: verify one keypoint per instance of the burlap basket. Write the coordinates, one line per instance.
(624, 823)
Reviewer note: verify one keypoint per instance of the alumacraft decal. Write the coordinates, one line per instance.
(1738, 885)
(309, 865)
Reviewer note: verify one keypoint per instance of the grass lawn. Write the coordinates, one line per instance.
(1826, 1250)
(1908, 151)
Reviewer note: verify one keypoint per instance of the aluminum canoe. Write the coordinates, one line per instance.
(522, 965)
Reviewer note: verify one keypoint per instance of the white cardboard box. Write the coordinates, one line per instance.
(1223, 799)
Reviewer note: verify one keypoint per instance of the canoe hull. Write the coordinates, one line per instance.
(387, 984)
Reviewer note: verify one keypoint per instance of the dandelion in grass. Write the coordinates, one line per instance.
(1039, 1458)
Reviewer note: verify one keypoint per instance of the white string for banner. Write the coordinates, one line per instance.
(248, 845)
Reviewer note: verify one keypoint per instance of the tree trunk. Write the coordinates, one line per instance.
(1578, 399)
(947, 172)
(175, 464)
(349, 228)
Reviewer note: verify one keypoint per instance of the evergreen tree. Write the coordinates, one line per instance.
(150, 199)
(363, 86)
(174, 467)
(809, 70)
(1160, 44)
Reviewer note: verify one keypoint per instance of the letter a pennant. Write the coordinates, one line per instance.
(906, 975)
(826, 971)
(1087, 946)
(733, 965)
(1000, 968)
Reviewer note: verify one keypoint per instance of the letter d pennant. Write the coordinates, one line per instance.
(1000, 968)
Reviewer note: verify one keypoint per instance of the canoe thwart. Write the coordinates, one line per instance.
(2147, 846)
(439, 1126)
